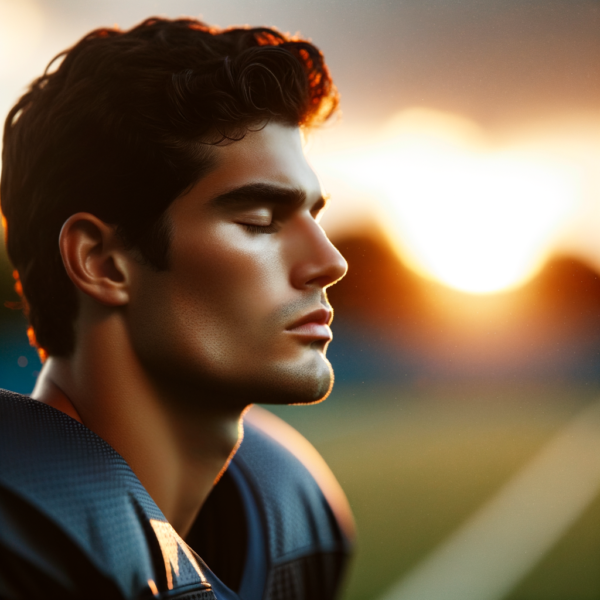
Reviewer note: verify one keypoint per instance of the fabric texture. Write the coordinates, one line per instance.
(75, 522)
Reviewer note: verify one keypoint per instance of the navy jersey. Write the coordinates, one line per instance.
(75, 522)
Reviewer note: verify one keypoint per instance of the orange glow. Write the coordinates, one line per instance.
(170, 542)
(288, 437)
(477, 218)
(33, 342)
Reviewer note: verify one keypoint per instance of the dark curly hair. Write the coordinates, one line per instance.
(121, 128)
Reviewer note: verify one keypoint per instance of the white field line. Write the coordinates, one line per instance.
(495, 548)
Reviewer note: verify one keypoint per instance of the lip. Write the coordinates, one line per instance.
(314, 325)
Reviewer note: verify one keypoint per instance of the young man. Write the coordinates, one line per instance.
(164, 225)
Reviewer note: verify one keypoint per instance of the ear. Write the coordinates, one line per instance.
(95, 259)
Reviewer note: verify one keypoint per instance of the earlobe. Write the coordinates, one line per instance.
(95, 259)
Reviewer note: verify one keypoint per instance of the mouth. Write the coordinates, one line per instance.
(313, 325)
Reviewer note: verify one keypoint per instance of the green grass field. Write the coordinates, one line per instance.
(416, 463)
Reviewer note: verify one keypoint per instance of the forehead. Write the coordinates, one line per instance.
(272, 155)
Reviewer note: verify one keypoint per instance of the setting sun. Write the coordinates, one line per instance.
(474, 217)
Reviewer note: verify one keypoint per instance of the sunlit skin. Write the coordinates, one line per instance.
(166, 361)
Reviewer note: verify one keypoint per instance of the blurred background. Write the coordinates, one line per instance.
(465, 177)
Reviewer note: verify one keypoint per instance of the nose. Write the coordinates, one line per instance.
(318, 263)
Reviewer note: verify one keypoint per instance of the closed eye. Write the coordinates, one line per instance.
(272, 228)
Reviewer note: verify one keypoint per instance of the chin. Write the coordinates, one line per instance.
(308, 385)
(307, 380)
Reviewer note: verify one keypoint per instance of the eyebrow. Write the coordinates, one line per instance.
(263, 192)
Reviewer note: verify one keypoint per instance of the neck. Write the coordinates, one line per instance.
(177, 454)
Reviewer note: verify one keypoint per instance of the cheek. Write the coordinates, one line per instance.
(215, 306)
(236, 282)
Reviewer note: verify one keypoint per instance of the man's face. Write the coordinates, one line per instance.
(242, 311)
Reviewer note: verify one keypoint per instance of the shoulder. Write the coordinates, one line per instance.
(292, 475)
(58, 465)
(74, 520)
(280, 504)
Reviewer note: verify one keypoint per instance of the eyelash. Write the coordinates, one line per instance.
(272, 228)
